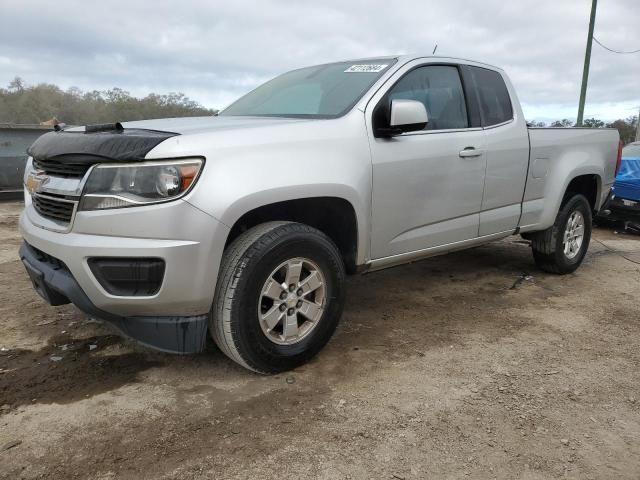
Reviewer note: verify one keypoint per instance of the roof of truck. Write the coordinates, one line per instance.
(415, 56)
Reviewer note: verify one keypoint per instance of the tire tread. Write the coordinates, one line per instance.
(236, 259)
(231, 268)
(544, 244)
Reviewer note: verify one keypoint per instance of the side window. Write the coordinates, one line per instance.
(493, 96)
(440, 90)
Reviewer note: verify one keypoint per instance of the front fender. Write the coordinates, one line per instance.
(245, 204)
(245, 170)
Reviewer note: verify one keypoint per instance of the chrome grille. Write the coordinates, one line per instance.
(54, 208)
(54, 167)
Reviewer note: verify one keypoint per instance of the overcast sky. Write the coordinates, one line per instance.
(214, 51)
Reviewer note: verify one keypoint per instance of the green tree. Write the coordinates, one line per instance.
(593, 123)
(20, 103)
(626, 128)
(564, 123)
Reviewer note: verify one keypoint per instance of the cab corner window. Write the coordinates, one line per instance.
(493, 96)
(438, 87)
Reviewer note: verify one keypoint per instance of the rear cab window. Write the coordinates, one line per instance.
(492, 96)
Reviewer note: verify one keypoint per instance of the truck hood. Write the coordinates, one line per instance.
(194, 125)
(131, 141)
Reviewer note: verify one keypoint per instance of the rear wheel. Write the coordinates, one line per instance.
(562, 247)
(279, 296)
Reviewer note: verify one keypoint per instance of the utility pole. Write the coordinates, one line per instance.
(587, 60)
(638, 127)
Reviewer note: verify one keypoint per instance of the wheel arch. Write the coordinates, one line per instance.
(541, 212)
(335, 216)
(581, 181)
(589, 185)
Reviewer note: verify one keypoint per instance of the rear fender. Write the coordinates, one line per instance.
(558, 156)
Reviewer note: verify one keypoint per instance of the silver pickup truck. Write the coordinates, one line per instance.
(243, 226)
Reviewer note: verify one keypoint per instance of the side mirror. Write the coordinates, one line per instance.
(408, 115)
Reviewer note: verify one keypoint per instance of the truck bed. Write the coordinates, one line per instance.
(556, 156)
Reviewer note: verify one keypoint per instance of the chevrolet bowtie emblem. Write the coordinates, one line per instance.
(35, 180)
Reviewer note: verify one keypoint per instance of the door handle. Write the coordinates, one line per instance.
(470, 152)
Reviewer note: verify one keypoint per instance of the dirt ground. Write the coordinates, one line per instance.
(470, 365)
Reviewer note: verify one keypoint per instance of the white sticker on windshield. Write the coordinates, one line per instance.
(366, 68)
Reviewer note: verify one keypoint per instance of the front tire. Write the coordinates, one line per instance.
(279, 296)
(562, 247)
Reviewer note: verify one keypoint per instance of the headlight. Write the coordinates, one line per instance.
(27, 170)
(134, 184)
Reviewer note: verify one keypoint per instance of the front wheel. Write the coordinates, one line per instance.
(561, 248)
(279, 296)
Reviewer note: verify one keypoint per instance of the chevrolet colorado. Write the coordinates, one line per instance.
(243, 226)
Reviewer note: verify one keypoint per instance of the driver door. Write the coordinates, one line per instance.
(427, 184)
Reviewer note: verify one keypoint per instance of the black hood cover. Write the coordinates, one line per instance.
(97, 145)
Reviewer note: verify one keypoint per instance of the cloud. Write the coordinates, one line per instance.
(215, 51)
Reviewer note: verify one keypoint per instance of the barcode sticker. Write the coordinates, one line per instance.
(366, 68)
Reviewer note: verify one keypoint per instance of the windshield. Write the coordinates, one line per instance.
(323, 91)
(631, 151)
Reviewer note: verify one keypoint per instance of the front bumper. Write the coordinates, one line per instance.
(53, 282)
(175, 318)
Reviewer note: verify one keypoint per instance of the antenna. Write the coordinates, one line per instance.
(434, 49)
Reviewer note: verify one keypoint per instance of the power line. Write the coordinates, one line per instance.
(612, 50)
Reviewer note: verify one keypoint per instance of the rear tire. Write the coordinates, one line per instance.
(561, 248)
(261, 315)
